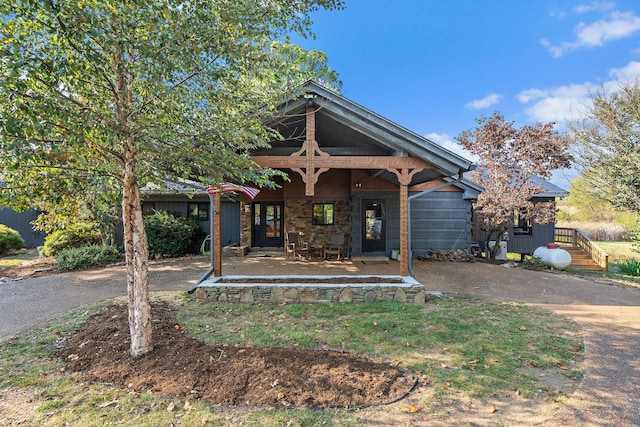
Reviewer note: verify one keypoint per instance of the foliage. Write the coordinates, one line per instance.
(86, 256)
(510, 161)
(630, 267)
(10, 240)
(583, 206)
(137, 91)
(170, 234)
(609, 147)
(533, 263)
(76, 235)
(99, 206)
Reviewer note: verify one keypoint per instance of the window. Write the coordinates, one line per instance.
(521, 224)
(198, 210)
(322, 214)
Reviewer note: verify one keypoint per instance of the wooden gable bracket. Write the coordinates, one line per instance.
(310, 161)
(308, 155)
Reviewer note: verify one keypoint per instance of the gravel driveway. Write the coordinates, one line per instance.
(609, 395)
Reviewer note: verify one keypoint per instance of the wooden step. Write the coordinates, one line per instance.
(581, 260)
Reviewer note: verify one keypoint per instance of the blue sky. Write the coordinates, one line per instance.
(434, 66)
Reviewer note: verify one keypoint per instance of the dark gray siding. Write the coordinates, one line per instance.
(230, 223)
(440, 220)
(21, 222)
(541, 234)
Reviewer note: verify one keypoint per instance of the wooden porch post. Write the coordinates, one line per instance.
(404, 179)
(216, 243)
(404, 230)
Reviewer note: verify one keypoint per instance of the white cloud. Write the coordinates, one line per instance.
(596, 5)
(486, 102)
(627, 74)
(570, 102)
(616, 25)
(447, 142)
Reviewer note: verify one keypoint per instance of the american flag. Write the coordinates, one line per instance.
(227, 187)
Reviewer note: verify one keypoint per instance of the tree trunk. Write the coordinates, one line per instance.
(137, 258)
(493, 251)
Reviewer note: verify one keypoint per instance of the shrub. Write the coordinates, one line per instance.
(10, 240)
(533, 263)
(75, 236)
(86, 256)
(171, 235)
(630, 267)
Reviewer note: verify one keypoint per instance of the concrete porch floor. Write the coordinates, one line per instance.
(271, 263)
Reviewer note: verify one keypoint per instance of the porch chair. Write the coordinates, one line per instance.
(336, 247)
(295, 247)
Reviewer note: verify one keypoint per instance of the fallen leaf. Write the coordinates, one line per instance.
(564, 368)
(170, 407)
(109, 403)
(493, 410)
(523, 328)
(411, 409)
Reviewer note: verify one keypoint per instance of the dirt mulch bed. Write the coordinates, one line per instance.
(38, 267)
(185, 367)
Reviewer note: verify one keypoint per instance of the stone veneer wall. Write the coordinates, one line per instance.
(263, 294)
(298, 217)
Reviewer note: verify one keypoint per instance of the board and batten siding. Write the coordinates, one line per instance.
(21, 222)
(440, 220)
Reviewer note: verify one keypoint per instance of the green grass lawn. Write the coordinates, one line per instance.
(461, 347)
(618, 251)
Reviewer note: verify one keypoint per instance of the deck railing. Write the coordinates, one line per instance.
(575, 237)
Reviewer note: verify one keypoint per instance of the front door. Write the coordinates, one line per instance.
(268, 225)
(373, 226)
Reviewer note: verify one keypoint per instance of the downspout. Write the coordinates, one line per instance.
(211, 268)
(415, 196)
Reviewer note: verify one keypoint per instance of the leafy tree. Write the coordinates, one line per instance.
(135, 91)
(608, 149)
(510, 159)
(582, 205)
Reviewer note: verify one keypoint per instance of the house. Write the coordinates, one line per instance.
(525, 236)
(352, 171)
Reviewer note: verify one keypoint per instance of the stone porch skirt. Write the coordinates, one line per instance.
(289, 291)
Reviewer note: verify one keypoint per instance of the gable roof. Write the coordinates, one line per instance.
(344, 127)
(548, 189)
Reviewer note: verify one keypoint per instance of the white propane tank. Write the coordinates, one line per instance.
(553, 256)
